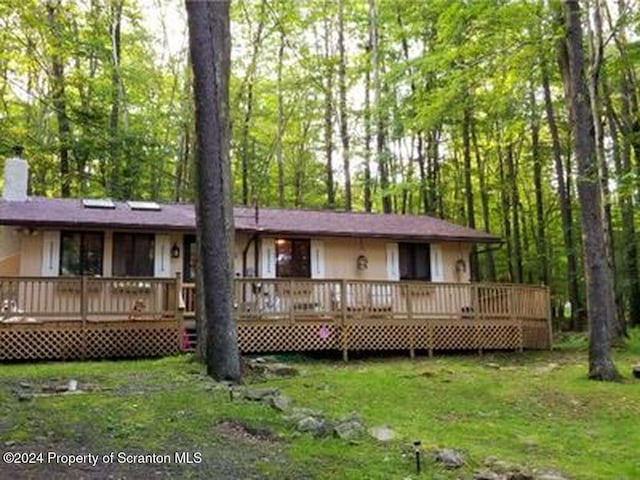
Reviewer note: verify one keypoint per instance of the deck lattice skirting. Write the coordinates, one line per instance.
(303, 315)
(66, 318)
(69, 341)
(77, 318)
(422, 335)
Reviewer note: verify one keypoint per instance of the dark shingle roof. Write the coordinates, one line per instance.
(70, 213)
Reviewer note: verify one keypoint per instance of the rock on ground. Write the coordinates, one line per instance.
(318, 427)
(382, 433)
(350, 429)
(449, 458)
(259, 394)
(281, 403)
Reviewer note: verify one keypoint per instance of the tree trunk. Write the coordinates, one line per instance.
(328, 115)
(246, 95)
(368, 203)
(381, 142)
(541, 238)
(210, 48)
(600, 295)
(630, 291)
(628, 125)
(490, 267)
(514, 201)
(577, 307)
(628, 225)
(506, 213)
(422, 171)
(122, 178)
(434, 174)
(596, 60)
(59, 98)
(279, 159)
(468, 187)
(344, 130)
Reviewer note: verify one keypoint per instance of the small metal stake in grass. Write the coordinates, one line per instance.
(416, 446)
(231, 393)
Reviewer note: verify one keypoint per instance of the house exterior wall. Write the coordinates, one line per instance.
(31, 254)
(451, 253)
(9, 251)
(242, 242)
(341, 255)
(21, 253)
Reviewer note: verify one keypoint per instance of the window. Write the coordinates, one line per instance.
(415, 261)
(190, 258)
(293, 258)
(133, 255)
(81, 253)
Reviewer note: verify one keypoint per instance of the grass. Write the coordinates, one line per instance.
(536, 409)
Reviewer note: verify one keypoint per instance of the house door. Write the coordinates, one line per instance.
(190, 250)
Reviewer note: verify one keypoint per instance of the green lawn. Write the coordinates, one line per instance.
(535, 409)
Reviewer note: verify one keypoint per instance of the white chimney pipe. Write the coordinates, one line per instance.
(16, 178)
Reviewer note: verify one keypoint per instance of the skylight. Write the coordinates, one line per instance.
(144, 206)
(98, 203)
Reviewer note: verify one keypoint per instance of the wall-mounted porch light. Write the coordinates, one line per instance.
(175, 251)
(362, 262)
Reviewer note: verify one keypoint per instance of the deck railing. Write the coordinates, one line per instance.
(301, 314)
(95, 317)
(45, 299)
(276, 299)
(88, 317)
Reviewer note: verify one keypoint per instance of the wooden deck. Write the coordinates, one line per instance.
(87, 317)
(344, 315)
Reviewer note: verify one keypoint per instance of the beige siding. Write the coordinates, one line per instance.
(241, 241)
(341, 255)
(9, 251)
(451, 253)
(31, 254)
(177, 263)
(22, 254)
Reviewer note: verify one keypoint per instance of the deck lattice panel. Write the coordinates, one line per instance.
(279, 337)
(379, 336)
(40, 343)
(126, 341)
(68, 342)
(535, 335)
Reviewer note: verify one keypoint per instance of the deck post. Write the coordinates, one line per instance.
(406, 291)
(430, 321)
(179, 309)
(83, 312)
(512, 317)
(292, 313)
(475, 315)
(343, 314)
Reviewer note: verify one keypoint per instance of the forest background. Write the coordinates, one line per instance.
(450, 109)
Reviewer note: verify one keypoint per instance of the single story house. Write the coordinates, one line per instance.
(305, 279)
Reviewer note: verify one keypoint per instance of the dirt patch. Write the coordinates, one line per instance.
(238, 431)
(236, 451)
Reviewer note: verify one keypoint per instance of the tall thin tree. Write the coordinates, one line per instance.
(210, 48)
(600, 295)
(59, 97)
(344, 117)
